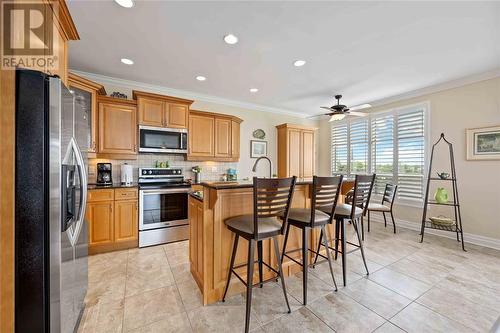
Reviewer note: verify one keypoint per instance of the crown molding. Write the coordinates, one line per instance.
(135, 85)
(438, 88)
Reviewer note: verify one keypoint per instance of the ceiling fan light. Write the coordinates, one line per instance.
(337, 117)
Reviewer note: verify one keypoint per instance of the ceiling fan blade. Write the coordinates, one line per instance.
(326, 108)
(361, 107)
(357, 114)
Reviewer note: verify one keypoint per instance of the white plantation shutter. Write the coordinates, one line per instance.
(382, 144)
(411, 154)
(339, 148)
(391, 144)
(358, 144)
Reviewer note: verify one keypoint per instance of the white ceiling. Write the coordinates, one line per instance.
(365, 50)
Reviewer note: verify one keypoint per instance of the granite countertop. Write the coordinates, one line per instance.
(114, 185)
(197, 195)
(221, 185)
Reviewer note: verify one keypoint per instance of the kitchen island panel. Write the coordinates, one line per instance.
(216, 241)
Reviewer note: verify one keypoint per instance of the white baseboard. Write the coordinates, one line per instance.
(468, 238)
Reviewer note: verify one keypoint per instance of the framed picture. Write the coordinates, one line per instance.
(258, 148)
(483, 143)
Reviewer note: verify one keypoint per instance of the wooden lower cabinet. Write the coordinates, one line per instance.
(126, 220)
(196, 240)
(112, 222)
(100, 219)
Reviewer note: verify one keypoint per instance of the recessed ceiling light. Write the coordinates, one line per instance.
(253, 90)
(231, 39)
(201, 78)
(127, 61)
(299, 63)
(125, 3)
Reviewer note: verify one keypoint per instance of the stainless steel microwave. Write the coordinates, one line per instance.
(162, 140)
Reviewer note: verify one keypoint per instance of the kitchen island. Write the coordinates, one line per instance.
(211, 242)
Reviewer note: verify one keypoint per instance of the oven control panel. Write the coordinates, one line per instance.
(159, 172)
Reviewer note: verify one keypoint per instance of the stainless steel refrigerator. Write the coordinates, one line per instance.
(50, 196)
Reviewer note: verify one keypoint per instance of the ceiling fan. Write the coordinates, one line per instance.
(340, 111)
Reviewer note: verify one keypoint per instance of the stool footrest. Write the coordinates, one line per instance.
(300, 263)
(273, 279)
(255, 262)
(292, 259)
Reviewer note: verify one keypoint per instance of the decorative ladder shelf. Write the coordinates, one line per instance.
(457, 228)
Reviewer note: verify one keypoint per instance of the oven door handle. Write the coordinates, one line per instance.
(163, 191)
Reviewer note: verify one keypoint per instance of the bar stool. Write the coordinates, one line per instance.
(271, 205)
(325, 193)
(363, 186)
(389, 197)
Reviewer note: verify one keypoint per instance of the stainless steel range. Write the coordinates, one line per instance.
(163, 206)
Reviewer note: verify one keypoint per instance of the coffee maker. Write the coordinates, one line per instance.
(104, 174)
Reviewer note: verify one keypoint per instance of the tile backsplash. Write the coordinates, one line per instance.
(211, 171)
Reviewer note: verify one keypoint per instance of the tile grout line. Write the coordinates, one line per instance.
(125, 291)
(178, 291)
(453, 320)
(389, 266)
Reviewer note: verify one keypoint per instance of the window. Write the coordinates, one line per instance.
(339, 148)
(391, 144)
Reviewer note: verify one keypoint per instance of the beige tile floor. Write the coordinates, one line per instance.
(412, 287)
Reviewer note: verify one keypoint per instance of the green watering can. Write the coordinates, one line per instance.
(441, 195)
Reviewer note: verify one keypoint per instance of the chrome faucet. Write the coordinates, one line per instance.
(270, 165)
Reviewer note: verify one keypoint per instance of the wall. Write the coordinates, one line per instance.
(453, 111)
(252, 120)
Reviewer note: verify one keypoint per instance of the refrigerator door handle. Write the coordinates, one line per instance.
(74, 230)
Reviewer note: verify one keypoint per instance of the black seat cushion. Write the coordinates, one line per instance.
(243, 224)
(303, 215)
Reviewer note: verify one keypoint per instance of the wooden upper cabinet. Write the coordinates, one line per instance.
(222, 137)
(86, 93)
(235, 140)
(117, 126)
(177, 115)
(63, 30)
(162, 111)
(296, 151)
(151, 111)
(307, 149)
(201, 136)
(213, 137)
